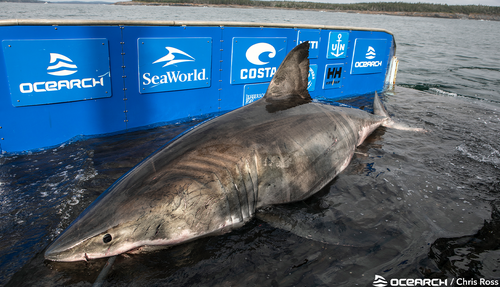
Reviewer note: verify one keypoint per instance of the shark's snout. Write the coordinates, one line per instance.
(57, 253)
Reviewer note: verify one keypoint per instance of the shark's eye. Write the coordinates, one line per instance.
(107, 238)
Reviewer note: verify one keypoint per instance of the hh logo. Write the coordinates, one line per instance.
(255, 60)
(186, 64)
(333, 76)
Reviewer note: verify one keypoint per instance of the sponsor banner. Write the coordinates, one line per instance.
(254, 92)
(333, 76)
(172, 64)
(313, 37)
(311, 79)
(369, 56)
(255, 60)
(56, 71)
(337, 45)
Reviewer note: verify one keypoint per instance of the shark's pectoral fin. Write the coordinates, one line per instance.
(325, 229)
(288, 88)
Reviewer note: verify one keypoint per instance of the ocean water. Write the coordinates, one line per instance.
(410, 205)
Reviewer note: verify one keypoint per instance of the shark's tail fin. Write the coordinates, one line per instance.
(379, 110)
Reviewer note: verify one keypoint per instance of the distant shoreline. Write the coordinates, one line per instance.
(408, 14)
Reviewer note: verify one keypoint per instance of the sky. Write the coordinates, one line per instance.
(449, 2)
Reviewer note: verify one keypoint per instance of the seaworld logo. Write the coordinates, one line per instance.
(170, 58)
(174, 56)
(186, 64)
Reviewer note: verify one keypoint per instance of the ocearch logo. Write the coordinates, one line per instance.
(409, 282)
(62, 65)
(379, 281)
(371, 53)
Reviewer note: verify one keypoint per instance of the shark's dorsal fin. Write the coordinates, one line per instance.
(288, 88)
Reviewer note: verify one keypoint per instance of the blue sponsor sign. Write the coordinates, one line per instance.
(55, 71)
(337, 45)
(333, 76)
(311, 79)
(369, 56)
(313, 37)
(171, 64)
(254, 92)
(255, 60)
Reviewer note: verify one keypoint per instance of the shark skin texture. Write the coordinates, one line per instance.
(213, 178)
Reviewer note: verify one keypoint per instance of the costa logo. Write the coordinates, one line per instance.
(256, 60)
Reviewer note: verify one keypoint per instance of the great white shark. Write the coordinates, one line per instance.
(213, 178)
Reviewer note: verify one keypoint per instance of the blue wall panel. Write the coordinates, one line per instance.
(147, 108)
(196, 69)
(30, 127)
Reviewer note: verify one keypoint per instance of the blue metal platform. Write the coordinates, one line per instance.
(61, 79)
